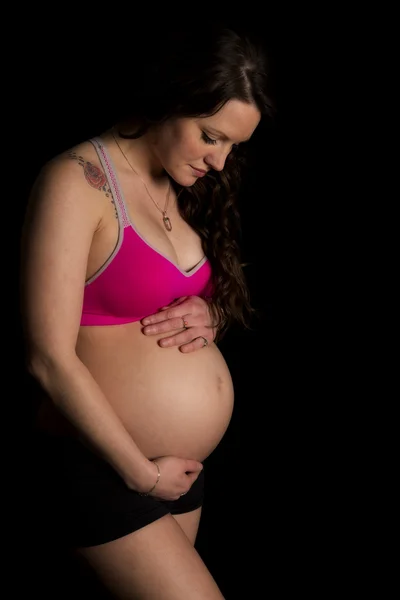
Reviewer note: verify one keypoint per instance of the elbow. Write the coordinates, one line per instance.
(36, 366)
(43, 366)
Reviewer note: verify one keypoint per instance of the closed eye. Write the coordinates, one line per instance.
(207, 139)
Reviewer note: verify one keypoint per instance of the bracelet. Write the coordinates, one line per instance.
(158, 479)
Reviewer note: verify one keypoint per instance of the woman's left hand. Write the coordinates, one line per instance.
(190, 314)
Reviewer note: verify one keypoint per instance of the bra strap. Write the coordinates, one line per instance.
(109, 170)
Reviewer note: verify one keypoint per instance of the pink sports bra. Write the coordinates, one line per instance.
(136, 280)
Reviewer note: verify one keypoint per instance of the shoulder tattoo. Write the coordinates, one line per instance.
(93, 175)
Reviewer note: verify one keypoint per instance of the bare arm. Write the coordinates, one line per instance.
(62, 217)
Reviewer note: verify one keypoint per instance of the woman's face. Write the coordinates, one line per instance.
(189, 147)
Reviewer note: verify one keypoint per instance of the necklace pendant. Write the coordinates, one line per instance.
(167, 223)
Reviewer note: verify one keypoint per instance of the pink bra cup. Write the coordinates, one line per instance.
(137, 280)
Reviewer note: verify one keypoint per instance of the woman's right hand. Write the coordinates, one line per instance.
(177, 475)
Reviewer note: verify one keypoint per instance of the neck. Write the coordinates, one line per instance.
(140, 154)
(163, 209)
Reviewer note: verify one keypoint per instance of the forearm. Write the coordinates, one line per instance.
(78, 397)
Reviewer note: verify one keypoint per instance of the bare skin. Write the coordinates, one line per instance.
(190, 311)
(157, 561)
(132, 396)
(190, 522)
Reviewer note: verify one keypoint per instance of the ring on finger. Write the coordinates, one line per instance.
(185, 324)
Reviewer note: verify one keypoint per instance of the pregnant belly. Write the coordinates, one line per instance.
(171, 403)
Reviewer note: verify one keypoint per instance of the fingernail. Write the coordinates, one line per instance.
(149, 330)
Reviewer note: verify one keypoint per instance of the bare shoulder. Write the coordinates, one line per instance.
(75, 175)
(86, 157)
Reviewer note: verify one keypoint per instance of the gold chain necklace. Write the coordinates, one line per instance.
(166, 219)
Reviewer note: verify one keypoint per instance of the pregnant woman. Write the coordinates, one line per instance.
(130, 267)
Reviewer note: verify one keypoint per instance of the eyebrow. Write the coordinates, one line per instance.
(221, 134)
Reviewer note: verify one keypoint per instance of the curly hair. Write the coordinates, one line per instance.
(195, 74)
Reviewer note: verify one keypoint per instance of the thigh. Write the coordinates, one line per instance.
(189, 522)
(156, 561)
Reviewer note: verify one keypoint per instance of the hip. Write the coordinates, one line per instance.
(80, 500)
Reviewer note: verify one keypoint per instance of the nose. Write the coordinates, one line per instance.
(216, 158)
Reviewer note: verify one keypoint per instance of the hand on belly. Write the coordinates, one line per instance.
(190, 321)
(175, 477)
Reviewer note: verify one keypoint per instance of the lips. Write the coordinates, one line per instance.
(198, 171)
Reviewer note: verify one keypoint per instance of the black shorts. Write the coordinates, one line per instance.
(81, 501)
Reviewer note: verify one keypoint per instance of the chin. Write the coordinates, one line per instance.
(190, 183)
(183, 176)
(185, 181)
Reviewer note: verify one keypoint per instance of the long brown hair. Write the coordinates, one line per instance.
(193, 75)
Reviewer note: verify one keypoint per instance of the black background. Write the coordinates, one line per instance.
(64, 89)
